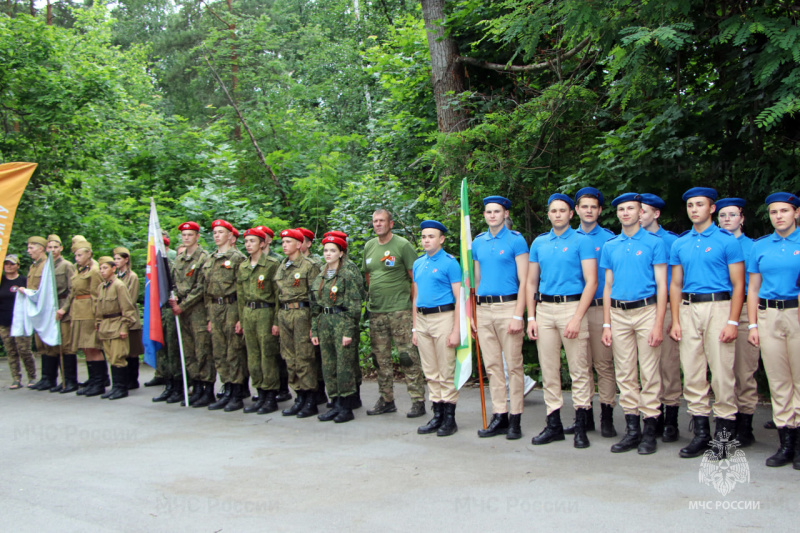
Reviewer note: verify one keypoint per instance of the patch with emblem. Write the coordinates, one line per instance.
(565, 249)
(227, 264)
(296, 280)
(389, 261)
(639, 252)
(708, 249)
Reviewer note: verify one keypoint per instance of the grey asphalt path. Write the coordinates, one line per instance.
(84, 464)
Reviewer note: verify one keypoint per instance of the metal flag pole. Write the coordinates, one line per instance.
(183, 359)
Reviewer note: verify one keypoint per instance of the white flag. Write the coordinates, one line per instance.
(36, 310)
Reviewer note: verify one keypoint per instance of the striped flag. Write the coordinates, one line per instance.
(464, 350)
(35, 310)
(14, 178)
(156, 289)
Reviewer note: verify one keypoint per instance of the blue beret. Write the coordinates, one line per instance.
(505, 202)
(785, 197)
(653, 200)
(708, 192)
(727, 202)
(432, 224)
(592, 191)
(627, 197)
(563, 198)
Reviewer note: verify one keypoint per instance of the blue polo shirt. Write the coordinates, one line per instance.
(599, 236)
(778, 261)
(747, 247)
(497, 260)
(559, 259)
(434, 276)
(631, 261)
(705, 258)
(669, 238)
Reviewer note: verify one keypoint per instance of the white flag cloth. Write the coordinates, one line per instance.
(36, 310)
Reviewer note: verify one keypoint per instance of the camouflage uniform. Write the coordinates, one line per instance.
(293, 282)
(257, 297)
(168, 358)
(187, 275)
(336, 311)
(383, 328)
(351, 267)
(219, 275)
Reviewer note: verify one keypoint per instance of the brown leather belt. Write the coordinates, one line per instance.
(112, 315)
(83, 296)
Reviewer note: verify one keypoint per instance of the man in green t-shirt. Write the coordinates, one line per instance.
(388, 260)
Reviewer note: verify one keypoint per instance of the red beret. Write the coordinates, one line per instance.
(235, 232)
(194, 226)
(307, 233)
(336, 240)
(293, 234)
(166, 241)
(342, 235)
(265, 230)
(222, 223)
(256, 233)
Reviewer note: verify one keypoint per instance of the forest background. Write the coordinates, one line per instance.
(313, 113)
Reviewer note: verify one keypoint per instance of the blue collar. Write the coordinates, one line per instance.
(595, 231)
(793, 236)
(435, 257)
(500, 234)
(567, 233)
(639, 235)
(708, 231)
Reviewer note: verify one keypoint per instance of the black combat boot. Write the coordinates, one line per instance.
(648, 444)
(333, 412)
(223, 400)
(96, 386)
(283, 389)
(606, 421)
(58, 370)
(120, 388)
(786, 451)
(671, 432)
(382, 407)
(570, 430)
(449, 425)
(319, 395)
(357, 398)
(553, 431)
(49, 374)
(105, 376)
(744, 430)
(206, 397)
(497, 426)
(299, 400)
(796, 461)
(90, 370)
(514, 430)
(262, 397)
(724, 431)
(167, 392)
(632, 437)
(417, 409)
(580, 440)
(133, 372)
(702, 436)
(235, 402)
(434, 423)
(176, 396)
(309, 405)
(270, 403)
(198, 388)
(70, 373)
(156, 381)
(346, 406)
(660, 419)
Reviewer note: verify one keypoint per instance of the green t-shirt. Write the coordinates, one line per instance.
(388, 265)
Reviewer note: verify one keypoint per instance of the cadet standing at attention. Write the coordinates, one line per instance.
(437, 333)
(308, 240)
(589, 204)
(706, 298)
(122, 260)
(557, 303)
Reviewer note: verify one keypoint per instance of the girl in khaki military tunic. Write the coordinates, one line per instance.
(122, 260)
(115, 314)
(81, 308)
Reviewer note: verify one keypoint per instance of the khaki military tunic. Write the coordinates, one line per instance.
(80, 305)
(131, 282)
(115, 315)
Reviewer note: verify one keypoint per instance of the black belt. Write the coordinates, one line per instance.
(636, 304)
(112, 315)
(225, 300)
(695, 298)
(496, 299)
(63, 295)
(596, 302)
(294, 305)
(437, 309)
(558, 299)
(259, 305)
(763, 303)
(335, 310)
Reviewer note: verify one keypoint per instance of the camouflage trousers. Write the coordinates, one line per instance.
(18, 348)
(230, 355)
(296, 348)
(168, 359)
(263, 350)
(383, 328)
(338, 362)
(197, 345)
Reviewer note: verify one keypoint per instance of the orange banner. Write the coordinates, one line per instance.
(13, 180)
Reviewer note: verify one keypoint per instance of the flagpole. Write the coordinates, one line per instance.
(183, 359)
(478, 353)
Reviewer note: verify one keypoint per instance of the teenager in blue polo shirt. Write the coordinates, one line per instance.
(501, 267)
(774, 287)
(730, 214)
(589, 205)
(671, 386)
(562, 281)
(706, 296)
(634, 305)
(436, 329)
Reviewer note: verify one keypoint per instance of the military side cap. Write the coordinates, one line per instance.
(106, 260)
(341, 243)
(653, 200)
(37, 240)
(505, 202)
(727, 202)
(590, 191)
(432, 224)
(11, 258)
(219, 223)
(255, 232)
(785, 197)
(266, 230)
(307, 233)
(707, 192)
(76, 238)
(563, 198)
(627, 197)
(54, 238)
(121, 250)
(292, 234)
(342, 235)
(194, 226)
(77, 245)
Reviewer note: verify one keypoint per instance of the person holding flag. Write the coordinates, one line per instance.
(436, 325)
(49, 365)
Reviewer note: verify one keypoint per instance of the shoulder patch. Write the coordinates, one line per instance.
(684, 233)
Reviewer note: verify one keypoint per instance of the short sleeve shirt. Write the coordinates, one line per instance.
(8, 295)
(747, 247)
(777, 259)
(631, 260)
(496, 257)
(388, 265)
(705, 257)
(668, 238)
(559, 258)
(434, 276)
(599, 236)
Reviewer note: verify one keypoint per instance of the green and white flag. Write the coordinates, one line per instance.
(36, 310)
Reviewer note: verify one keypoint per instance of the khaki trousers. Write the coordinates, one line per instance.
(438, 360)
(635, 359)
(552, 319)
(671, 386)
(779, 335)
(701, 324)
(116, 351)
(599, 357)
(745, 364)
(496, 343)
